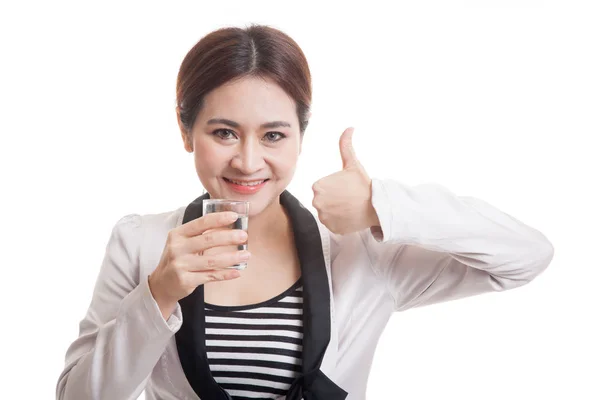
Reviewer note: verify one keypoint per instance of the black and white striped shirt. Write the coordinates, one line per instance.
(255, 352)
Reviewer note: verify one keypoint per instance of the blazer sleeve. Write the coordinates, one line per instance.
(435, 246)
(123, 333)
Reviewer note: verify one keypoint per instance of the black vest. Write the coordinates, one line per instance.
(312, 384)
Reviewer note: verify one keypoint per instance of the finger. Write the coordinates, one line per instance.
(349, 158)
(209, 221)
(223, 237)
(200, 278)
(218, 261)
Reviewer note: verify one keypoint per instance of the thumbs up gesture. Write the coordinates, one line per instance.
(343, 199)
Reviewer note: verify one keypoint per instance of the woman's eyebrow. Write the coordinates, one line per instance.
(233, 124)
(276, 124)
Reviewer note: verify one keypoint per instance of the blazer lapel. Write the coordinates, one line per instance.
(190, 339)
(313, 384)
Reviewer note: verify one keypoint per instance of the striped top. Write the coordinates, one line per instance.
(255, 352)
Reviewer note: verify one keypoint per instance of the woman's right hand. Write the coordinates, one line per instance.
(183, 266)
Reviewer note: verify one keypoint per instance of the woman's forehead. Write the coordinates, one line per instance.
(250, 101)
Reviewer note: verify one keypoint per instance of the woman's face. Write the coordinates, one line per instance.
(246, 142)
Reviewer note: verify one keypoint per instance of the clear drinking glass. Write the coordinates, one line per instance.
(242, 208)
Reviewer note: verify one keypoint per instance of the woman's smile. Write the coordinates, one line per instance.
(245, 187)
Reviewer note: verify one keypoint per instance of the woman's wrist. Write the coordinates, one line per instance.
(166, 305)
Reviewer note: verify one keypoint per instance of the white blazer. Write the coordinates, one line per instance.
(433, 246)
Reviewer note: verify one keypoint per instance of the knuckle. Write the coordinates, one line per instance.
(209, 238)
(214, 276)
(171, 235)
(177, 265)
(211, 262)
(174, 246)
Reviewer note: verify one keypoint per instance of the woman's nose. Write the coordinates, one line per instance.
(249, 159)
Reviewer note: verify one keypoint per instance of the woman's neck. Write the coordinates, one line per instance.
(268, 225)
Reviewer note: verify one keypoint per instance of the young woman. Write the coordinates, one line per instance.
(304, 318)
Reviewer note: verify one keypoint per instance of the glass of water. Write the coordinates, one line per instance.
(242, 208)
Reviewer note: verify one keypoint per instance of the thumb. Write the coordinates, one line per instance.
(347, 150)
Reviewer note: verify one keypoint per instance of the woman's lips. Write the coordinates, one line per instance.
(242, 189)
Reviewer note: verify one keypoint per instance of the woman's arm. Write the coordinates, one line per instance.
(434, 246)
(123, 333)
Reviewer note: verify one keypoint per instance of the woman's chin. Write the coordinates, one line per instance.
(260, 200)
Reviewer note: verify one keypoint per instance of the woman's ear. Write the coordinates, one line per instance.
(185, 136)
(187, 143)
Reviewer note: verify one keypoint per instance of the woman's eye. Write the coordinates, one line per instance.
(227, 134)
(274, 136)
(223, 133)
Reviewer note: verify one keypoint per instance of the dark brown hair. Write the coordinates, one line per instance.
(232, 53)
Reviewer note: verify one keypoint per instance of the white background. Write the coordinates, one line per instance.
(494, 99)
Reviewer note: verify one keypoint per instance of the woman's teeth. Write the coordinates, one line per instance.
(253, 183)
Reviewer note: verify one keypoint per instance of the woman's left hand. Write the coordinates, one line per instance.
(343, 199)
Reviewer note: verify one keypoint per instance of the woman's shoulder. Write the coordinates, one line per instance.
(141, 230)
(137, 240)
(163, 220)
(153, 221)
